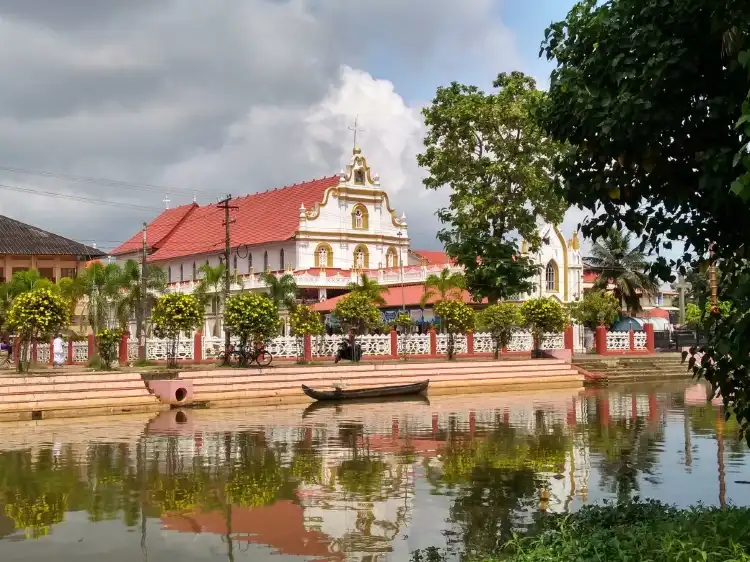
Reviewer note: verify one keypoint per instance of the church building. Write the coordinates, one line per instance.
(326, 233)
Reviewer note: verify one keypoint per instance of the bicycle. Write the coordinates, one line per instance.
(258, 355)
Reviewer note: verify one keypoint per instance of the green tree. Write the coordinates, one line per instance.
(174, 314)
(456, 317)
(253, 318)
(358, 312)
(623, 266)
(500, 320)
(36, 314)
(107, 342)
(370, 288)
(131, 303)
(305, 321)
(402, 322)
(498, 163)
(21, 282)
(649, 97)
(282, 290)
(446, 285)
(541, 316)
(597, 308)
(104, 286)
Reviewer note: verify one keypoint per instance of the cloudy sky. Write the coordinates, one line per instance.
(234, 96)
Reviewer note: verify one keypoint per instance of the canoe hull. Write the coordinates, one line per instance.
(367, 393)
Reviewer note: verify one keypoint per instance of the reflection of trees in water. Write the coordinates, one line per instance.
(495, 481)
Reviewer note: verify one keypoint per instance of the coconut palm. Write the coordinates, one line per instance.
(282, 290)
(369, 287)
(131, 304)
(103, 284)
(446, 285)
(623, 266)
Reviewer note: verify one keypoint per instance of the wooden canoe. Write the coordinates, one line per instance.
(318, 406)
(376, 392)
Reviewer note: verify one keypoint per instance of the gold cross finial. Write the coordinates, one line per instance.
(354, 128)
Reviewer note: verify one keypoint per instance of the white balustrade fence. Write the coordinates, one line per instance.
(42, 353)
(483, 343)
(459, 344)
(132, 351)
(156, 349)
(80, 352)
(639, 340)
(326, 346)
(414, 344)
(286, 346)
(618, 341)
(521, 341)
(375, 345)
(553, 341)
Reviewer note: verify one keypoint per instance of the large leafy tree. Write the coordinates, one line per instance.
(175, 314)
(498, 164)
(253, 318)
(500, 320)
(623, 266)
(648, 94)
(104, 292)
(596, 308)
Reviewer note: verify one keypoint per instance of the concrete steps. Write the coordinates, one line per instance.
(65, 395)
(464, 377)
(653, 366)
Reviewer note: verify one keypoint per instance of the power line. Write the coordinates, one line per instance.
(104, 181)
(76, 198)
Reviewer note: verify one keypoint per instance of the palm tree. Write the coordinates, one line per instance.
(625, 267)
(446, 285)
(282, 290)
(103, 284)
(131, 304)
(369, 287)
(212, 285)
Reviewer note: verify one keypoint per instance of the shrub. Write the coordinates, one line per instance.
(253, 318)
(543, 315)
(173, 314)
(108, 341)
(597, 308)
(305, 321)
(500, 320)
(402, 322)
(456, 317)
(36, 314)
(358, 312)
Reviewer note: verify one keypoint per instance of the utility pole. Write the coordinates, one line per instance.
(140, 328)
(401, 263)
(224, 204)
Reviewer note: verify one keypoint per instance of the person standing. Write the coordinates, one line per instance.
(58, 351)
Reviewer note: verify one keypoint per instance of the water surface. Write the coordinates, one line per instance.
(370, 482)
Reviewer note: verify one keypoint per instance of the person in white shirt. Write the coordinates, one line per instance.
(58, 351)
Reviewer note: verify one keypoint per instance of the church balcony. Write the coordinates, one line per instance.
(330, 278)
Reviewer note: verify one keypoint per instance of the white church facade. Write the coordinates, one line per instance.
(326, 233)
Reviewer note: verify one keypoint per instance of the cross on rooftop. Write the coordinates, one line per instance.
(166, 201)
(354, 128)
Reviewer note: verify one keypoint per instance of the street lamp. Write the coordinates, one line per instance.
(401, 263)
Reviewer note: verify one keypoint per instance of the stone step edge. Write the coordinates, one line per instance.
(37, 397)
(40, 389)
(390, 379)
(332, 375)
(70, 379)
(79, 403)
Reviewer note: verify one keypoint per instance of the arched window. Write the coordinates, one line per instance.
(391, 257)
(265, 261)
(281, 258)
(323, 256)
(182, 277)
(361, 257)
(550, 276)
(195, 272)
(234, 263)
(359, 217)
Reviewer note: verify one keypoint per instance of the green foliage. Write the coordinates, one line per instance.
(173, 314)
(456, 317)
(693, 315)
(108, 341)
(500, 320)
(498, 163)
(664, 167)
(639, 531)
(282, 290)
(306, 321)
(543, 315)
(370, 288)
(253, 318)
(447, 285)
(36, 314)
(130, 303)
(403, 322)
(623, 266)
(358, 311)
(698, 319)
(597, 308)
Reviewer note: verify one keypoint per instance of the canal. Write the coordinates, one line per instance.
(370, 482)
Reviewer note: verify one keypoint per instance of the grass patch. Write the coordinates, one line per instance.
(632, 531)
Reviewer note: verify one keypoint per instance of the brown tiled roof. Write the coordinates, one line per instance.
(17, 238)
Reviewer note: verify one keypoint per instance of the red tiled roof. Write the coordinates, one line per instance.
(159, 229)
(433, 257)
(412, 296)
(271, 216)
